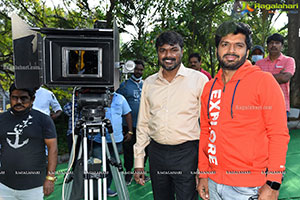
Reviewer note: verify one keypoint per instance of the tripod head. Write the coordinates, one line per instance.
(92, 101)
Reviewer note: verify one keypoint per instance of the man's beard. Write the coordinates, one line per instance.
(20, 113)
(233, 65)
(170, 68)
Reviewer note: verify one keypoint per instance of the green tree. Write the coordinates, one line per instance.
(294, 51)
(195, 20)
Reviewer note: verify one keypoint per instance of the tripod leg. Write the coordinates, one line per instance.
(117, 175)
(99, 189)
(67, 187)
(104, 166)
(85, 163)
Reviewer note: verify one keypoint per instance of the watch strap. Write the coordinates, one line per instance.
(130, 132)
(274, 185)
(51, 178)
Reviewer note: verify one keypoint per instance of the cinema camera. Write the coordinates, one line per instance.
(67, 57)
(88, 60)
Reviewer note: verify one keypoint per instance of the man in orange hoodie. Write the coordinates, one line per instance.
(244, 135)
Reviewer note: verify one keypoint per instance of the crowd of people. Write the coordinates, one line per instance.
(222, 137)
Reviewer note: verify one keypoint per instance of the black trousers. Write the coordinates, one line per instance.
(173, 170)
(128, 150)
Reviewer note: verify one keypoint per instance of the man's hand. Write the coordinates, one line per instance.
(139, 176)
(202, 188)
(48, 187)
(283, 76)
(267, 193)
(127, 137)
(55, 115)
(282, 71)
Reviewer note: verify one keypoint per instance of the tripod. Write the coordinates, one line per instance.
(89, 128)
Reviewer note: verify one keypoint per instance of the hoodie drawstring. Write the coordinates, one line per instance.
(233, 98)
(209, 97)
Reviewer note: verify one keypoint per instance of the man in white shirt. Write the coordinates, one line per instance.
(43, 100)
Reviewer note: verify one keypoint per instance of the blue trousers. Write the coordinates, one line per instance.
(226, 192)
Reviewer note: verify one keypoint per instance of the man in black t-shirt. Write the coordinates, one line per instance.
(23, 135)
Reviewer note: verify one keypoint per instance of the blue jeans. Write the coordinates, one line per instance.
(97, 153)
(7, 193)
(226, 192)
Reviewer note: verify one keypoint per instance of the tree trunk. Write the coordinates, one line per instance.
(294, 51)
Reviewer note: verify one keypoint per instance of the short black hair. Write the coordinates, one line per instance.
(31, 91)
(235, 28)
(139, 62)
(169, 37)
(196, 55)
(275, 37)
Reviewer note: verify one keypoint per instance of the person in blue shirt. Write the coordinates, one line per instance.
(131, 89)
(68, 111)
(119, 108)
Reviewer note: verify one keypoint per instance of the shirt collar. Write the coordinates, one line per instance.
(131, 79)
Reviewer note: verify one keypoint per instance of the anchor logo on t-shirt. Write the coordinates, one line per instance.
(18, 130)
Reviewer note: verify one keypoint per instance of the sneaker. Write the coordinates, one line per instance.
(128, 178)
(147, 178)
(111, 193)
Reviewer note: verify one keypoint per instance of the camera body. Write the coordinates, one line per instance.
(79, 57)
(65, 57)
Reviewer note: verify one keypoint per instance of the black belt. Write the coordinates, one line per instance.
(184, 145)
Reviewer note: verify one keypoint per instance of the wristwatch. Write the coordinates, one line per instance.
(274, 185)
(51, 178)
(130, 132)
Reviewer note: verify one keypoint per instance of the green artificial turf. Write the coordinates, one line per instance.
(290, 188)
(135, 191)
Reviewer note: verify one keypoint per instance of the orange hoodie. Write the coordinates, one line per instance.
(244, 134)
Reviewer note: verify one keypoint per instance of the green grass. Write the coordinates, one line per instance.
(135, 191)
(288, 191)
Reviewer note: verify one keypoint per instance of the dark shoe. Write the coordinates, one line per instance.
(111, 193)
(128, 178)
(147, 178)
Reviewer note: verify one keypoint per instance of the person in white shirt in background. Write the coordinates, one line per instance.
(43, 100)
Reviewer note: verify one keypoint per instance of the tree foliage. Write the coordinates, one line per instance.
(142, 19)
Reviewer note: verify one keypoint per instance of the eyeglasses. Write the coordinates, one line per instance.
(22, 98)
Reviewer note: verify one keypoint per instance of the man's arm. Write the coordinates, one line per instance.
(128, 135)
(283, 77)
(266, 192)
(48, 186)
(274, 116)
(126, 112)
(286, 74)
(56, 114)
(203, 164)
(55, 107)
(142, 137)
